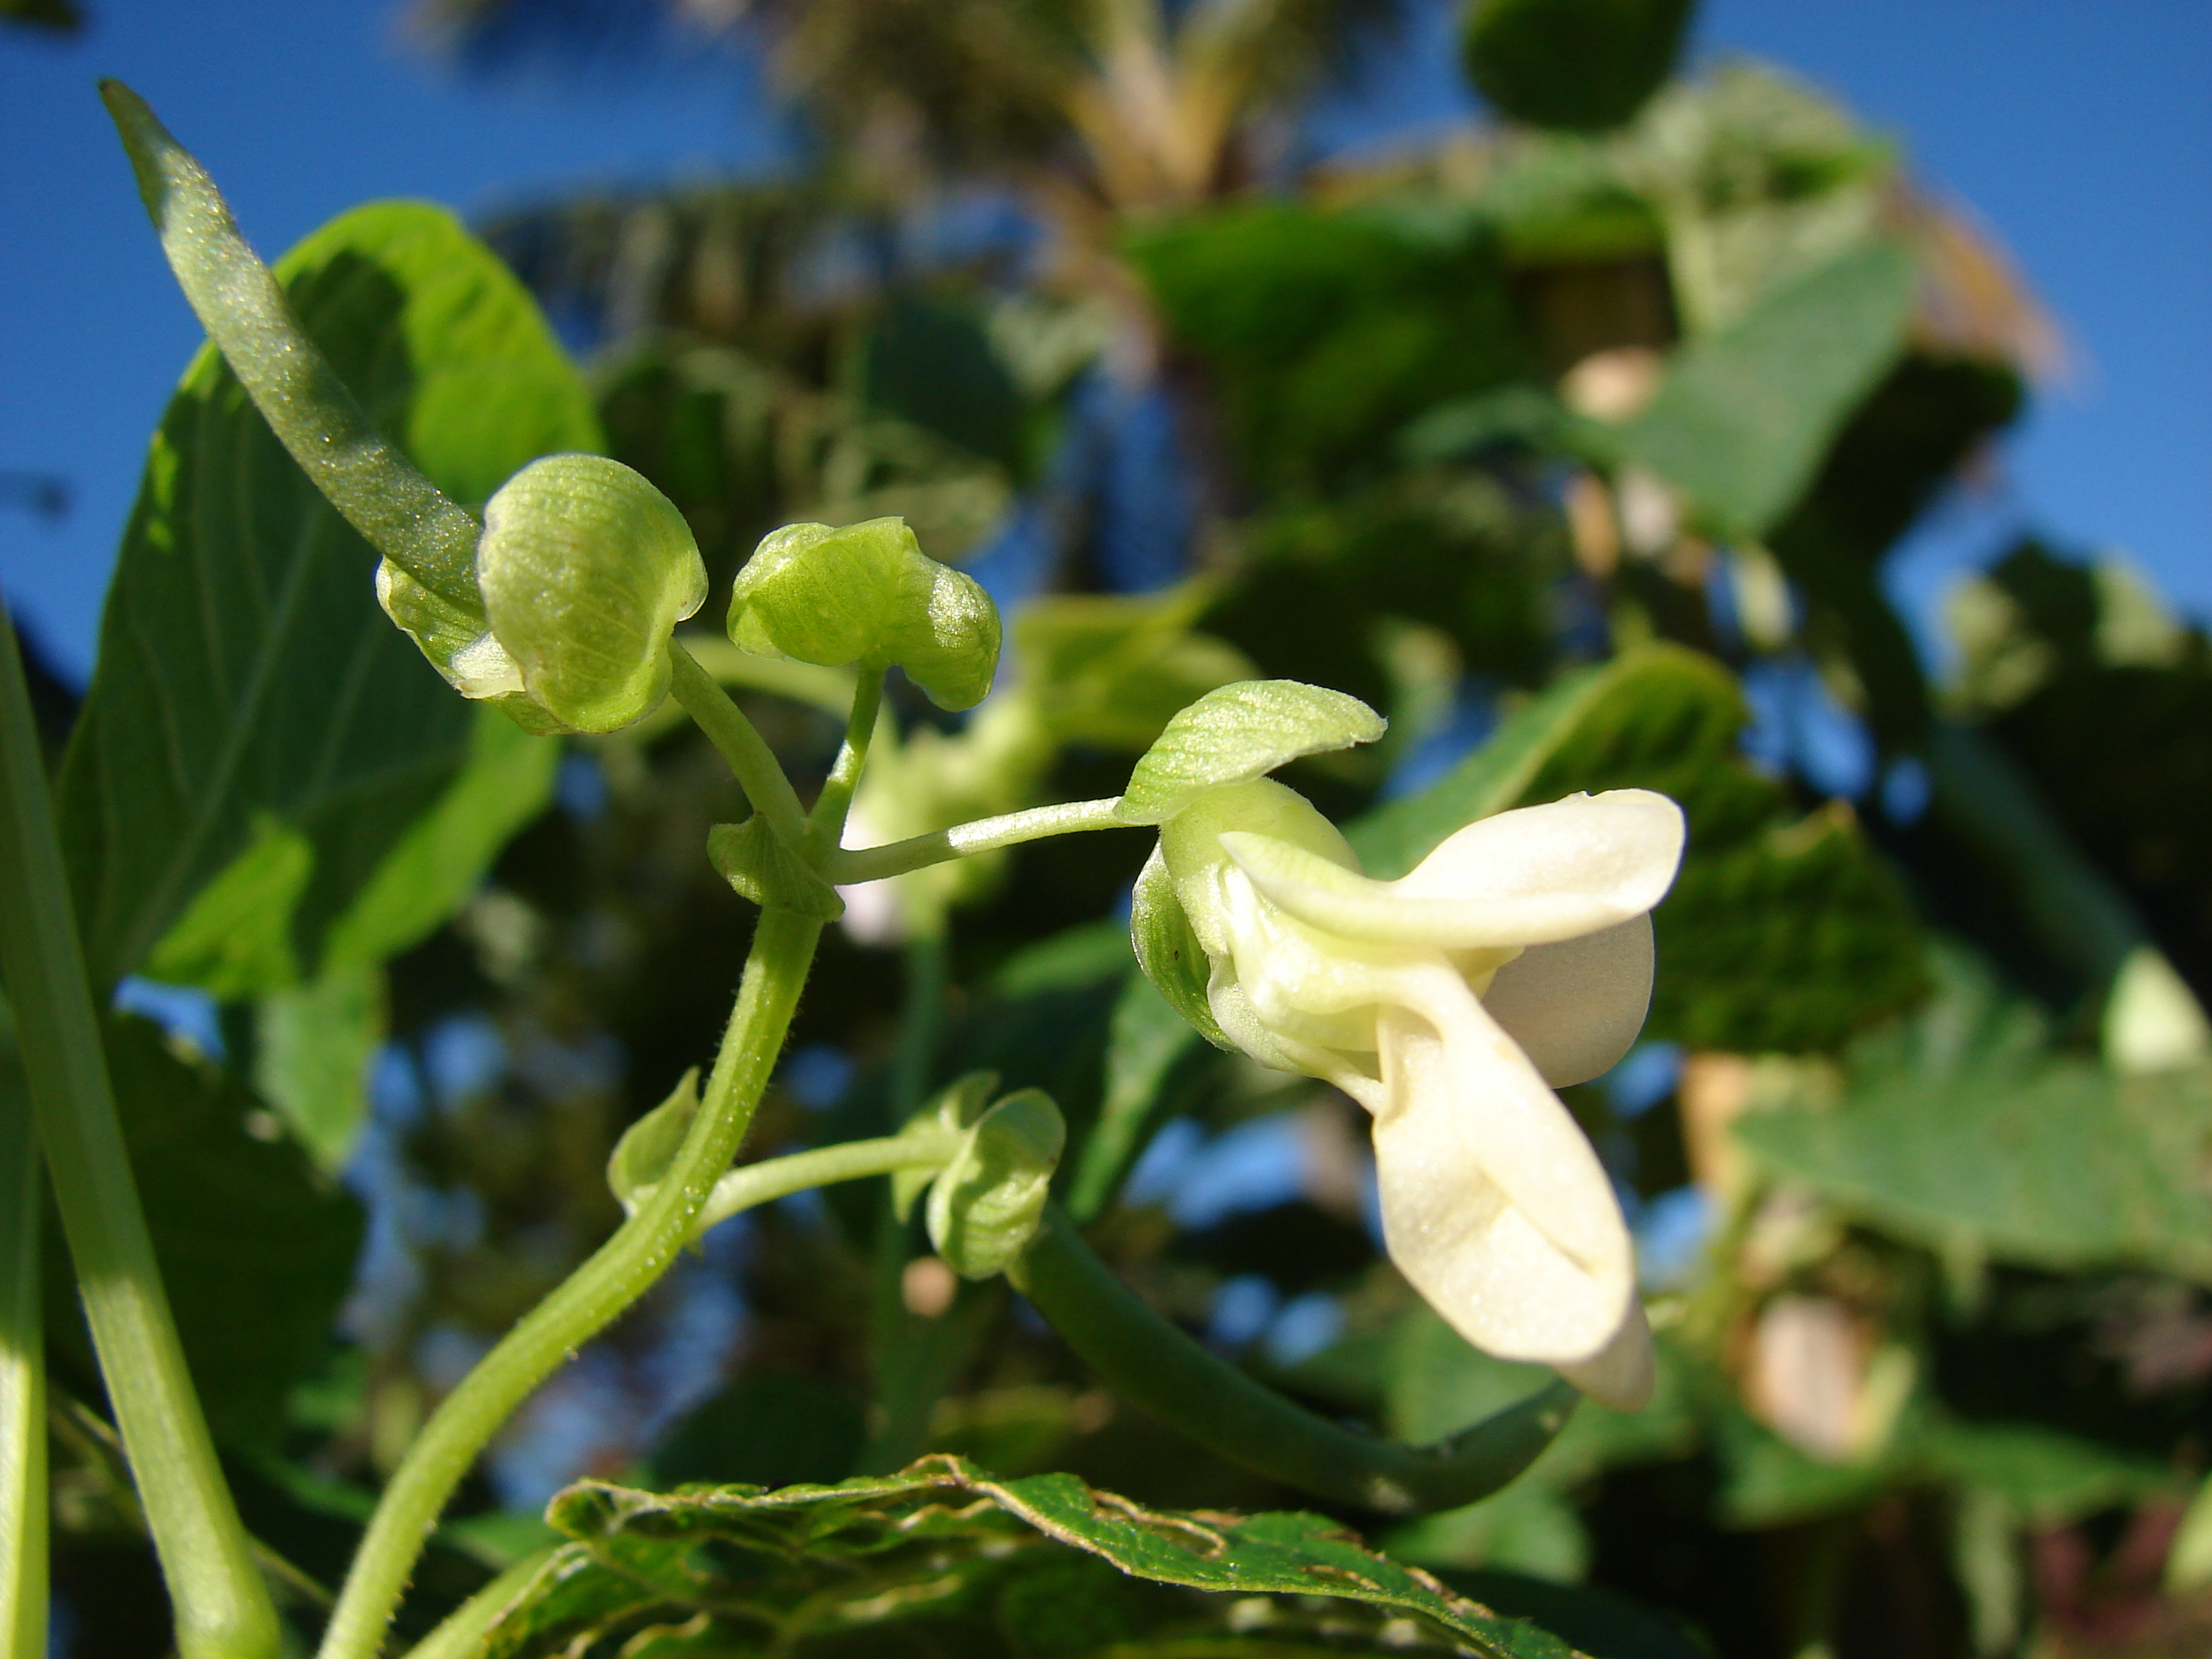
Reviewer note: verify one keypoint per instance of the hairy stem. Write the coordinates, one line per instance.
(400, 512)
(917, 852)
(222, 1608)
(618, 1272)
(738, 743)
(460, 1635)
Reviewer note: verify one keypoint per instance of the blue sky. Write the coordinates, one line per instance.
(2081, 135)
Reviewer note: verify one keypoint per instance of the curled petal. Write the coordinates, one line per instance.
(1531, 877)
(1493, 1204)
(1575, 1007)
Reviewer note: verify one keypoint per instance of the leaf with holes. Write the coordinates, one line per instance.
(935, 1557)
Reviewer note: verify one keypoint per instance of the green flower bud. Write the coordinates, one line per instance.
(984, 1208)
(952, 1111)
(867, 593)
(585, 568)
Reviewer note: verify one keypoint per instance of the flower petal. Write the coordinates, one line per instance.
(1530, 877)
(1623, 1374)
(1575, 1007)
(1493, 1204)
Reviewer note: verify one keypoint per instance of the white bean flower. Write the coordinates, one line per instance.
(1515, 959)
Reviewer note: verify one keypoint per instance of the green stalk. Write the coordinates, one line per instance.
(460, 1634)
(799, 1172)
(826, 821)
(1168, 1374)
(896, 858)
(400, 512)
(738, 743)
(618, 1272)
(223, 1607)
(22, 1375)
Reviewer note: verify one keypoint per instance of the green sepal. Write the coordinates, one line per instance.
(586, 568)
(1168, 949)
(754, 859)
(956, 1106)
(867, 592)
(1238, 733)
(649, 1145)
(986, 1204)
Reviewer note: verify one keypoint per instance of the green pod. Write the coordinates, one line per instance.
(985, 1205)
(1577, 66)
(586, 568)
(867, 593)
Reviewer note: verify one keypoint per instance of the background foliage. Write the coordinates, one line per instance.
(1577, 446)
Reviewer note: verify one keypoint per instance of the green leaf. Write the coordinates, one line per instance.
(753, 859)
(245, 669)
(1239, 732)
(314, 1045)
(439, 858)
(1745, 415)
(256, 1247)
(1959, 1127)
(1148, 1036)
(984, 1207)
(894, 1560)
(1583, 65)
(586, 569)
(647, 1148)
(867, 592)
(1168, 950)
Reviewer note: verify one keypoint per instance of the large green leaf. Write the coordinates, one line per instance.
(945, 1558)
(256, 1248)
(1745, 415)
(1962, 1128)
(1782, 930)
(246, 674)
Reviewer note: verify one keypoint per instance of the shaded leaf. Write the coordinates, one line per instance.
(256, 1248)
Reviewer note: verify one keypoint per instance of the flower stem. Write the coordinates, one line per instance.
(460, 1634)
(738, 743)
(826, 821)
(1164, 1372)
(23, 1377)
(917, 852)
(221, 1605)
(618, 1272)
(400, 512)
(798, 1172)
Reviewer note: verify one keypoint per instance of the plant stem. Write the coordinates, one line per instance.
(221, 1605)
(738, 741)
(22, 1375)
(460, 1635)
(618, 1272)
(853, 865)
(827, 823)
(1184, 1385)
(798, 1172)
(399, 511)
